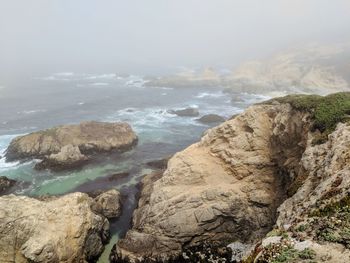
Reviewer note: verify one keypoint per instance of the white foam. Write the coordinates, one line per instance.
(31, 111)
(102, 76)
(100, 84)
(4, 142)
(210, 95)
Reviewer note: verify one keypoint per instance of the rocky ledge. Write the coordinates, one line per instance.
(283, 164)
(71, 146)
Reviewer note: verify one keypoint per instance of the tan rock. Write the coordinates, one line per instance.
(62, 229)
(70, 145)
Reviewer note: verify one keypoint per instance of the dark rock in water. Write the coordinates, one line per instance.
(188, 112)
(159, 164)
(69, 146)
(6, 184)
(211, 118)
(101, 183)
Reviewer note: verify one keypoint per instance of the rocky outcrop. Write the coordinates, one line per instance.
(188, 112)
(225, 188)
(71, 146)
(6, 184)
(58, 229)
(283, 164)
(211, 118)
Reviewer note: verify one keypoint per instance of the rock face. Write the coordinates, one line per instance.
(62, 229)
(6, 184)
(70, 146)
(225, 188)
(211, 118)
(188, 112)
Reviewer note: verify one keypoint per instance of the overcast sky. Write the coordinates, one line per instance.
(42, 36)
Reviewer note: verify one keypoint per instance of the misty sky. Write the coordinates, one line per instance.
(138, 36)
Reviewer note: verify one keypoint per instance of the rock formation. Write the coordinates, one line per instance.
(70, 146)
(226, 187)
(58, 229)
(261, 166)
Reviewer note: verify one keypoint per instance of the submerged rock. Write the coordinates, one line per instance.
(6, 184)
(211, 118)
(60, 229)
(70, 146)
(188, 112)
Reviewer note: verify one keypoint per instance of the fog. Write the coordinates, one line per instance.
(157, 36)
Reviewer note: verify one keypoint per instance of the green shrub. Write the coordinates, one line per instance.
(326, 112)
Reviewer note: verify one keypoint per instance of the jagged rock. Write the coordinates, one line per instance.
(188, 112)
(71, 145)
(60, 229)
(211, 118)
(6, 184)
(226, 187)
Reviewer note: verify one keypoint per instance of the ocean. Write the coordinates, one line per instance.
(65, 98)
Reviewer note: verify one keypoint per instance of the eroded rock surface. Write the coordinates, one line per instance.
(59, 229)
(70, 146)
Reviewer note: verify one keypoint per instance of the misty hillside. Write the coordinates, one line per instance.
(312, 68)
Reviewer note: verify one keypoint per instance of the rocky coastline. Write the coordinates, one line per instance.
(255, 178)
(268, 183)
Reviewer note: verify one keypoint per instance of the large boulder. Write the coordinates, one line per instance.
(71, 145)
(58, 229)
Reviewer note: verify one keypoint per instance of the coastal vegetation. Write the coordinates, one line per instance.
(326, 111)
